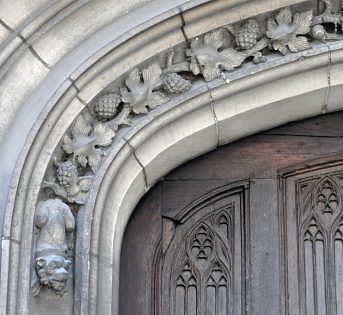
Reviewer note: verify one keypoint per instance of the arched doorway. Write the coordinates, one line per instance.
(253, 227)
(210, 115)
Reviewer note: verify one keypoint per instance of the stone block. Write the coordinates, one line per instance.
(178, 141)
(16, 12)
(79, 26)
(289, 92)
(16, 86)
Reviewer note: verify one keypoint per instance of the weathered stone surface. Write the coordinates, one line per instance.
(4, 34)
(90, 51)
(17, 12)
(55, 222)
(81, 24)
(15, 88)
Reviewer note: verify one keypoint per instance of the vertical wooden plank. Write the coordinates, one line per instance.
(264, 275)
(210, 300)
(222, 301)
(320, 278)
(140, 241)
(309, 278)
(192, 300)
(291, 239)
(339, 275)
(180, 300)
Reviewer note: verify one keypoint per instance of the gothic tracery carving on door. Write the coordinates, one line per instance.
(314, 257)
(204, 266)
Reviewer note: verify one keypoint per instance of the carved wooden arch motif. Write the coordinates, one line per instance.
(73, 170)
(312, 217)
(204, 262)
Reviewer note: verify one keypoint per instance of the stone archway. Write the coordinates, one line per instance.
(209, 115)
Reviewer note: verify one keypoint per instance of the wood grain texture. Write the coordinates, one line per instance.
(142, 236)
(257, 159)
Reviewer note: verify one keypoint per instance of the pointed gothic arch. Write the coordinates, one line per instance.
(210, 115)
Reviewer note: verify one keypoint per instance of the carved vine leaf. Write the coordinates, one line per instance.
(85, 145)
(70, 186)
(140, 92)
(284, 30)
(208, 57)
(209, 60)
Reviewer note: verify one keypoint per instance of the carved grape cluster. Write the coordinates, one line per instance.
(248, 36)
(105, 107)
(208, 55)
(174, 83)
(66, 173)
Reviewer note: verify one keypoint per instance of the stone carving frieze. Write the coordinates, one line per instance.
(207, 56)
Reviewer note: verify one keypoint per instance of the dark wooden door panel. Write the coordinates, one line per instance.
(265, 244)
(313, 219)
(142, 237)
(205, 264)
(284, 255)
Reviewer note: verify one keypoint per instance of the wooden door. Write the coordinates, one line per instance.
(313, 217)
(254, 227)
(204, 265)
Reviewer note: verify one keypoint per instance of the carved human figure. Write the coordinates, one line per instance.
(55, 221)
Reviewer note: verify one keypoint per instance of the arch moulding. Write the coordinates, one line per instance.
(215, 107)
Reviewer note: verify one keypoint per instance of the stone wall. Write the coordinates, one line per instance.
(61, 59)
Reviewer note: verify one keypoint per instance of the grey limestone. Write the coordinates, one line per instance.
(99, 156)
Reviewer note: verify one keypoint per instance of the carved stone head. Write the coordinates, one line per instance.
(52, 271)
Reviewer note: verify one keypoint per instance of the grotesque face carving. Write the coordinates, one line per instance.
(53, 272)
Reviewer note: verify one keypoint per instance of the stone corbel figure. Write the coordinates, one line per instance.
(55, 221)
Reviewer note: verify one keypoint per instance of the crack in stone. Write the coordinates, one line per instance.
(83, 102)
(140, 164)
(214, 116)
(183, 28)
(27, 44)
(73, 84)
(7, 27)
(328, 89)
(45, 64)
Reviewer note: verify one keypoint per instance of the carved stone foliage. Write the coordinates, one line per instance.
(54, 221)
(285, 29)
(70, 186)
(140, 92)
(209, 59)
(207, 56)
(202, 273)
(85, 142)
